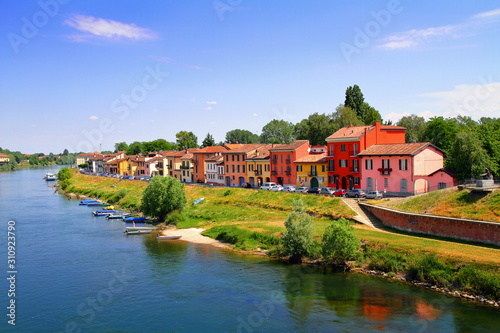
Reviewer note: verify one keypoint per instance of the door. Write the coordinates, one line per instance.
(314, 182)
(403, 185)
(369, 184)
(344, 183)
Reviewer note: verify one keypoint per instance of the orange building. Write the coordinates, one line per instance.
(344, 169)
(199, 158)
(235, 163)
(282, 159)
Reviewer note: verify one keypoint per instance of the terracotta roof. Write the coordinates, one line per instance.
(244, 148)
(396, 149)
(232, 146)
(3, 155)
(359, 131)
(260, 153)
(313, 158)
(291, 146)
(211, 149)
(175, 153)
(187, 157)
(216, 159)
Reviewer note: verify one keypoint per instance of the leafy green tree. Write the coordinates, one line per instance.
(64, 174)
(65, 152)
(345, 116)
(186, 140)
(208, 141)
(315, 128)
(278, 131)
(489, 134)
(121, 146)
(415, 127)
(157, 145)
(340, 243)
(354, 99)
(241, 136)
(135, 148)
(162, 196)
(468, 157)
(370, 115)
(298, 239)
(441, 132)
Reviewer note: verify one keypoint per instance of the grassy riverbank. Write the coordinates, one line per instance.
(251, 220)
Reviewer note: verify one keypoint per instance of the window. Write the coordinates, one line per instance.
(331, 179)
(343, 163)
(323, 168)
(354, 165)
(331, 166)
(356, 180)
(386, 182)
(386, 166)
(227, 168)
(233, 167)
(369, 164)
(266, 167)
(237, 158)
(299, 168)
(342, 147)
(369, 184)
(354, 150)
(250, 167)
(403, 164)
(233, 157)
(441, 186)
(243, 168)
(332, 150)
(313, 170)
(238, 168)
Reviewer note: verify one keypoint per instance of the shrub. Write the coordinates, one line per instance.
(162, 196)
(64, 174)
(340, 243)
(298, 239)
(386, 260)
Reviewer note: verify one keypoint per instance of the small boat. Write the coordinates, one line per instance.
(50, 176)
(97, 203)
(168, 237)
(87, 201)
(137, 232)
(117, 216)
(134, 219)
(140, 228)
(198, 201)
(106, 212)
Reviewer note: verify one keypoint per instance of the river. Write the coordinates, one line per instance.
(77, 273)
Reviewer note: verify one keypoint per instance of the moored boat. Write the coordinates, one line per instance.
(50, 176)
(106, 212)
(168, 237)
(137, 232)
(140, 228)
(117, 216)
(135, 219)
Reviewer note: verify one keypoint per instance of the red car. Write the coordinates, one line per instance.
(340, 193)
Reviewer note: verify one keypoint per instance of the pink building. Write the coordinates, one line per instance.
(404, 168)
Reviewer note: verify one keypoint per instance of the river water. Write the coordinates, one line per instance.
(78, 273)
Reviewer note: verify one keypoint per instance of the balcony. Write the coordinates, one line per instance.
(353, 153)
(288, 172)
(385, 171)
(354, 170)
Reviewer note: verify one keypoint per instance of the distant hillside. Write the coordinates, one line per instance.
(453, 203)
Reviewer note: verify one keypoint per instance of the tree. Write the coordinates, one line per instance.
(489, 134)
(354, 100)
(162, 196)
(135, 148)
(441, 132)
(340, 243)
(415, 127)
(468, 157)
(370, 115)
(121, 146)
(208, 141)
(186, 140)
(345, 116)
(64, 174)
(241, 136)
(278, 131)
(298, 239)
(65, 152)
(158, 144)
(315, 128)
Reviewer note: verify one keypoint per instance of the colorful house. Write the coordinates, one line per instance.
(404, 169)
(187, 168)
(344, 145)
(199, 158)
(4, 159)
(174, 163)
(214, 170)
(282, 158)
(312, 169)
(235, 163)
(258, 167)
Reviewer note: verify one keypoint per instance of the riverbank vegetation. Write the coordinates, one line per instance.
(254, 220)
(451, 202)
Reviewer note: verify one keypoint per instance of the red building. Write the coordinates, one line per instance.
(344, 169)
(282, 159)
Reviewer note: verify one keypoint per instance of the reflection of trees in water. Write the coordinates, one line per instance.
(165, 253)
(342, 294)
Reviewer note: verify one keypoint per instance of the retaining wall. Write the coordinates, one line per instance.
(471, 230)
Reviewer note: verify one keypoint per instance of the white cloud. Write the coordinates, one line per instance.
(209, 108)
(395, 117)
(415, 37)
(106, 28)
(474, 100)
(211, 102)
(254, 114)
(491, 13)
(94, 117)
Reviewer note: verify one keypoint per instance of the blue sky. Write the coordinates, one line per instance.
(80, 74)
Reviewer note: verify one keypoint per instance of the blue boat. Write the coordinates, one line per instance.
(198, 201)
(135, 219)
(88, 201)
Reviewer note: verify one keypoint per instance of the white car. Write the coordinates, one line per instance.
(374, 195)
(301, 189)
(268, 186)
(289, 188)
(277, 188)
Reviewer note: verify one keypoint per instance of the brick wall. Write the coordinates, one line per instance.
(471, 230)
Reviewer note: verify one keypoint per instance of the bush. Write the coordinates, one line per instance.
(175, 217)
(162, 196)
(298, 239)
(64, 174)
(386, 260)
(118, 196)
(241, 238)
(340, 243)
(65, 183)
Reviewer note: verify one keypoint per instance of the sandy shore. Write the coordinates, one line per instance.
(193, 235)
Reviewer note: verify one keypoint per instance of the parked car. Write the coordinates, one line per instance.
(374, 195)
(356, 193)
(301, 189)
(277, 188)
(326, 191)
(289, 188)
(340, 192)
(267, 186)
(314, 190)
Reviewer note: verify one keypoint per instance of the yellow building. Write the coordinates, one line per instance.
(122, 166)
(312, 170)
(258, 166)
